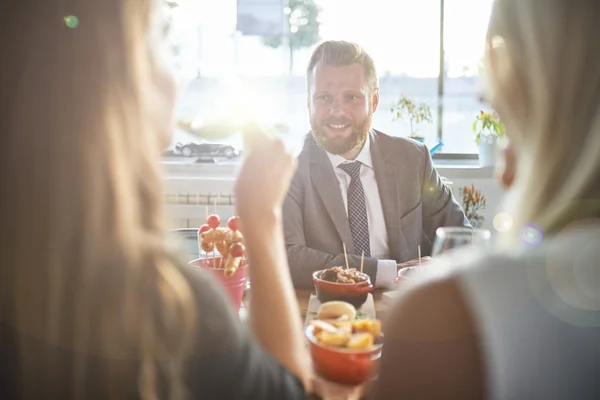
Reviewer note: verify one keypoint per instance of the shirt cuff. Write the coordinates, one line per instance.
(387, 270)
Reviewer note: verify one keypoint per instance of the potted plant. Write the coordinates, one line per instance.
(416, 113)
(487, 128)
(473, 202)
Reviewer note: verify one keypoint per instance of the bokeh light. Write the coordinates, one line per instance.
(531, 234)
(503, 222)
(72, 21)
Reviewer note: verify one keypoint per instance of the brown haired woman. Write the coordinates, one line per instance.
(92, 302)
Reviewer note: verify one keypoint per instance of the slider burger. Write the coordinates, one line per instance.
(336, 310)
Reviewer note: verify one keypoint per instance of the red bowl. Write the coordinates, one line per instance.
(345, 366)
(353, 293)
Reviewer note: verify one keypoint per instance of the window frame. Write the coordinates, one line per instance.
(441, 86)
(440, 98)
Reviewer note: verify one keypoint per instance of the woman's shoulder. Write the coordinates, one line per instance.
(556, 275)
(473, 307)
(577, 245)
(498, 280)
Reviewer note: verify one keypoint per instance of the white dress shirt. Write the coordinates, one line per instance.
(386, 269)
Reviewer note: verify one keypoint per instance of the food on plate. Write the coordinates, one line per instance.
(335, 310)
(360, 334)
(229, 242)
(371, 326)
(339, 338)
(322, 326)
(343, 275)
(362, 340)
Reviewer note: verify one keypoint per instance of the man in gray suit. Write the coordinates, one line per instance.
(355, 186)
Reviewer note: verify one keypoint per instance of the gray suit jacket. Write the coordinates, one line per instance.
(415, 203)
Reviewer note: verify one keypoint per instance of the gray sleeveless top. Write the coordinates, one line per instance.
(538, 314)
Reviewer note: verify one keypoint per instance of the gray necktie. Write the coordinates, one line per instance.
(357, 209)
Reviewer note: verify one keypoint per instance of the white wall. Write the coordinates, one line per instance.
(195, 182)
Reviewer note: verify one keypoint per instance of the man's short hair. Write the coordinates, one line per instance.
(341, 52)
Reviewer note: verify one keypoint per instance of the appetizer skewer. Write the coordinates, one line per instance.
(229, 242)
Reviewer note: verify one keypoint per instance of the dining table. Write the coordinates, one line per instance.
(380, 300)
(303, 296)
(322, 388)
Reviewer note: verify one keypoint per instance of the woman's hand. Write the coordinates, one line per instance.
(264, 178)
(260, 188)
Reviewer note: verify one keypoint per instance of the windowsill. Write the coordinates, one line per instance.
(463, 169)
(187, 168)
(456, 163)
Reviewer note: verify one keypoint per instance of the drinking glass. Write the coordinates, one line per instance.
(450, 238)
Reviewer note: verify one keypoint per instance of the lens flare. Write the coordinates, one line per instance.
(531, 234)
(503, 222)
(72, 21)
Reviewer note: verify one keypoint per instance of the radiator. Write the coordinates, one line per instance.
(189, 209)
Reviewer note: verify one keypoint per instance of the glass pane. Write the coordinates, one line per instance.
(465, 25)
(406, 53)
(215, 59)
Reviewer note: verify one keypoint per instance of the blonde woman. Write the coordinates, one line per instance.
(93, 304)
(524, 322)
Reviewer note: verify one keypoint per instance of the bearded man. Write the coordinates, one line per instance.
(355, 186)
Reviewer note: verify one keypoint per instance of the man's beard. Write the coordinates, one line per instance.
(342, 145)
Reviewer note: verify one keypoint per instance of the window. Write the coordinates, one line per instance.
(403, 37)
(465, 24)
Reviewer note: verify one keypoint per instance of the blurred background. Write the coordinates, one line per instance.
(257, 50)
(266, 44)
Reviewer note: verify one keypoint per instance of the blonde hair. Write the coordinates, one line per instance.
(551, 106)
(339, 53)
(83, 260)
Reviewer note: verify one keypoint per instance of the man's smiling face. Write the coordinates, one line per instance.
(341, 107)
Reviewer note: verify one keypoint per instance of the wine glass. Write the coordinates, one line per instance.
(450, 238)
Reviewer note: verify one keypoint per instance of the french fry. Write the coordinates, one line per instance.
(322, 326)
(367, 326)
(361, 340)
(232, 265)
(338, 338)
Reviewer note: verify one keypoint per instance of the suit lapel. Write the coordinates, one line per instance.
(386, 174)
(327, 186)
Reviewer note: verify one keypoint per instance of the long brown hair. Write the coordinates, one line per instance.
(83, 263)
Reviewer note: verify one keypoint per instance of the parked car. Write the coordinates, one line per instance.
(204, 149)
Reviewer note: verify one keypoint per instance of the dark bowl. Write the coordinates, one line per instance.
(353, 293)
